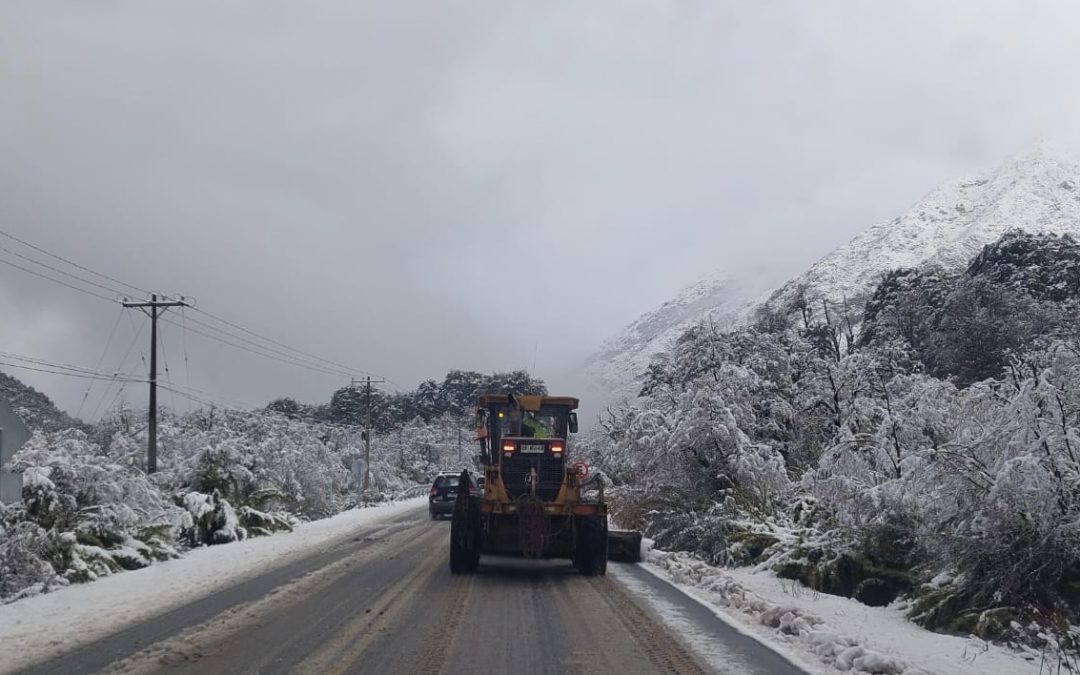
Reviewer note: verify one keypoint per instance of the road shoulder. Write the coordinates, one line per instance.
(46, 626)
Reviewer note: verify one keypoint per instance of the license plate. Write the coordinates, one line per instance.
(533, 449)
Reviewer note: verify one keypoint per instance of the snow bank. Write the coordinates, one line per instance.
(42, 626)
(840, 635)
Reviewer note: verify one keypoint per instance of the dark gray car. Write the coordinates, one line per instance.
(443, 494)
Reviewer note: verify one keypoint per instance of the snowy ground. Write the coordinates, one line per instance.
(821, 633)
(829, 634)
(35, 628)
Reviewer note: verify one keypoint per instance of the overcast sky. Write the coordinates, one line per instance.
(411, 187)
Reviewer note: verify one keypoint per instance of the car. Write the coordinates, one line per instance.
(443, 494)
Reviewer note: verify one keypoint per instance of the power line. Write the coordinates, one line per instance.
(289, 361)
(62, 283)
(207, 398)
(60, 271)
(287, 355)
(325, 365)
(72, 263)
(196, 399)
(101, 360)
(123, 360)
(142, 352)
(183, 340)
(58, 365)
(291, 356)
(165, 359)
(86, 376)
(345, 368)
(117, 397)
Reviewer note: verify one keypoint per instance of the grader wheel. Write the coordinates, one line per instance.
(465, 533)
(590, 545)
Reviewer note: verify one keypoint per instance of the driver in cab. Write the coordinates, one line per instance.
(533, 427)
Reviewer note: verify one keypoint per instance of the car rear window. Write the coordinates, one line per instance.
(447, 481)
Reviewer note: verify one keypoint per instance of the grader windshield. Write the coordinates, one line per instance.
(525, 437)
(548, 422)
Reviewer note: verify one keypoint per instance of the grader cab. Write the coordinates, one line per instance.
(533, 503)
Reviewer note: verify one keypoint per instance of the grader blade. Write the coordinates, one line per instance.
(624, 546)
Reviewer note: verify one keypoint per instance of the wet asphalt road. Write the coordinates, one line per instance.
(384, 601)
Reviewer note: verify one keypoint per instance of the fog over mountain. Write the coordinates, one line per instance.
(1037, 190)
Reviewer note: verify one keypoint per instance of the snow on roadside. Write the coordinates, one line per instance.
(41, 626)
(841, 635)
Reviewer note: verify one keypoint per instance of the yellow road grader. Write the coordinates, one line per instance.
(535, 503)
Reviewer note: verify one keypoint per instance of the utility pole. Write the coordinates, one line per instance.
(459, 445)
(153, 310)
(367, 434)
(367, 428)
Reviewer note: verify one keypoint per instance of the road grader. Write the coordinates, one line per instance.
(536, 503)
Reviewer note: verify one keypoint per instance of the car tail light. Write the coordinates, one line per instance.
(508, 449)
(434, 491)
(557, 448)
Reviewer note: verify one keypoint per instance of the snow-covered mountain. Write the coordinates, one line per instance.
(1037, 190)
(725, 299)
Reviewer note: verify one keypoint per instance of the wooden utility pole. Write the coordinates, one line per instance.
(367, 428)
(367, 434)
(152, 310)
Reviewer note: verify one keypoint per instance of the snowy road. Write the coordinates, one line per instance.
(383, 601)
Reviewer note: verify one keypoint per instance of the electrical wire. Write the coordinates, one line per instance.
(101, 360)
(60, 271)
(292, 362)
(62, 283)
(165, 360)
(123, 360)
(87, 376)
(287, 355)
(205, 397)
(280, 351)
(58, 365)
(72, 263)
(282, 345)
(183, 340)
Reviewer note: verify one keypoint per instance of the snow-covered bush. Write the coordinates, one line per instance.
(24, 559)
(212, 520)
(83, 516)
(89, 509)
(737, 437)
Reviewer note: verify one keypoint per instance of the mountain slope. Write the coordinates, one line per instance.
(35, 408)
(621, 359)
(1037, 191)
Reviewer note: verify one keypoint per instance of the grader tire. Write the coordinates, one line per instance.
(590, 546)
(464, 537)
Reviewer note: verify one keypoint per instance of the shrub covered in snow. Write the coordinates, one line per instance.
(90, 510)
(869, 467)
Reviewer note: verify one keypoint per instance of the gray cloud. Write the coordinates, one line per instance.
(413, 187)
